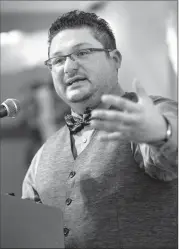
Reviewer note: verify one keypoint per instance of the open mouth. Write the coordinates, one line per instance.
(76, 81)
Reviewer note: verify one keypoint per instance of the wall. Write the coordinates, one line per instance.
(140, 28)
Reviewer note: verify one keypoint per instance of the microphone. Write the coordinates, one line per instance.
(9, 108)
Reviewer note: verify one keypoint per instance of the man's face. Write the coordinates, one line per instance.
(91, 76)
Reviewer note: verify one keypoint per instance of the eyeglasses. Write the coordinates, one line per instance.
(76, 55)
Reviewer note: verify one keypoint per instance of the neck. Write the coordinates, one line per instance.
(80, 108)
(117, 90)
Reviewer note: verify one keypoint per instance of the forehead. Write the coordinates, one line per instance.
(67, 39)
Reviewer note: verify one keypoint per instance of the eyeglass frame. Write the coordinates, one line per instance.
(69, 55)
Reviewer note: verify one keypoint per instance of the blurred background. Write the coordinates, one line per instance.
(146, 34)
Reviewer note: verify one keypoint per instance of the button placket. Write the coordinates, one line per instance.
(70, 184)
(72, 174)
(68, 201)
(66, 231)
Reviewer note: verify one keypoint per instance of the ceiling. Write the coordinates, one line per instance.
(42, 6)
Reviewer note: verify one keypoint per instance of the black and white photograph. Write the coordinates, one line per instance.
(89, 124)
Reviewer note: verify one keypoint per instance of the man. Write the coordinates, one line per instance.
(112, 172)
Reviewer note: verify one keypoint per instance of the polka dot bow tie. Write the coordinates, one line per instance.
(76, 124)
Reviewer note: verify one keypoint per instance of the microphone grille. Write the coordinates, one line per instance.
(12, 106)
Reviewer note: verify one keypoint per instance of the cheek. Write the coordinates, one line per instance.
(58, 83)
(101, 76)
(101, 69)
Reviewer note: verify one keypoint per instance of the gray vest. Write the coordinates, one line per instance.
(109, 202)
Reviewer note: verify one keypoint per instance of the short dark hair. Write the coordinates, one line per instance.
(77, 19)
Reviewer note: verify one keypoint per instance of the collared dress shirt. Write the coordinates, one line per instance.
(46, 175)
(148, 156)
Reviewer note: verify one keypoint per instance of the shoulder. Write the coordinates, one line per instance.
(57, 135)
(165, 105)
(50, 142)
(157, 100)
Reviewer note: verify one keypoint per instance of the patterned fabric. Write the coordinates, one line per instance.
(76, 124)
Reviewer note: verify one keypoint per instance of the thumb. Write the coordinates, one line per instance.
(141, 93)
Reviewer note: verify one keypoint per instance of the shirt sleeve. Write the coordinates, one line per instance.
(160, 161)
(28, 186)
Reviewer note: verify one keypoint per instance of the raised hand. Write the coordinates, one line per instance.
(140, 122)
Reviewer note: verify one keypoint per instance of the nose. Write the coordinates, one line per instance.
(70, 66)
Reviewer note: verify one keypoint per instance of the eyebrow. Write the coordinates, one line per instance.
(74, 47)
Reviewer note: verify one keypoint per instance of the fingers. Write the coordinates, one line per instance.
(139, 88)
(120, 103)
(111, 136)
(113, 115)
(108, 126)
(140, 91)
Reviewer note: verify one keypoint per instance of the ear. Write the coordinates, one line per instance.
(117, 58)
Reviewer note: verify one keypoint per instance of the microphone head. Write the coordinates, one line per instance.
(12, 106)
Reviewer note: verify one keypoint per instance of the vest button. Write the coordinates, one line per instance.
(72, 174)
(66, 231)
(68, 201)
